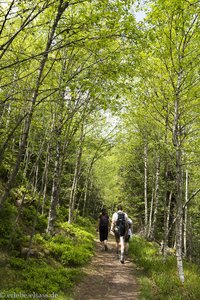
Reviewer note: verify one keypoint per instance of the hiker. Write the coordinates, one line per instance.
(103, 224)
(128, 235)
(120, 227)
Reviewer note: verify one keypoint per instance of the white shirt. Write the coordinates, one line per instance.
(115, 217)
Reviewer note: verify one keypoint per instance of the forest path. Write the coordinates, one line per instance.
(107, 278)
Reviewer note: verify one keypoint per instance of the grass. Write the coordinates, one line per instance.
(159, 279)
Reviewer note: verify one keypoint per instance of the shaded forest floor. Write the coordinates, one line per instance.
(106, 278)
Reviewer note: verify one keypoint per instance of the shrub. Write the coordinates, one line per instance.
(73, 246)
(7, 218)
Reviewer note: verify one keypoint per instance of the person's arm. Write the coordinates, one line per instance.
(112, 227)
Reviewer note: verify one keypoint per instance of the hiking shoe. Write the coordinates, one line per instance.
(106, 248)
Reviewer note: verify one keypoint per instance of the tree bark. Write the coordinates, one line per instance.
(155, 212)
(151, 211)
(87, 182)
(185, 216)
(76, 176)
(145, 188)
(55, 186)
(179, 188)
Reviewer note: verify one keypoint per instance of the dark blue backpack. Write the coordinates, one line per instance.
(121, 223)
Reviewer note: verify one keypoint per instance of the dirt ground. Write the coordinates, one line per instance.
(106, 278)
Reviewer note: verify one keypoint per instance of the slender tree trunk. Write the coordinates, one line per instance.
(45, 178)
(151, 211)
(37, 208)
(85, 196)
(168, 195)
(26, 160)
(87, 182)
(75, 180)
(46, 167)
(55, 187)
(166, 222)
(145, 188)
(179, 218)
(185, 215)
(153, 227)
(190, 239)
(179, 188)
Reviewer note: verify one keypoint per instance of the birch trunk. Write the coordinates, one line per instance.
(145, 188)
(75, 179)
(190, 239)
(151, 211)
(45, 178)
(55, 187)
(179, 205)
(166, 222)
(152, 232)
(46, 167)
(87, 182)
(185, 215)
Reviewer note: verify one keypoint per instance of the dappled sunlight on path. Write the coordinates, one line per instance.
(107, 278)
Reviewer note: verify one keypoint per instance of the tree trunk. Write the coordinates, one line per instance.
(55, 187)
(145, 188)
(45, 178)
(151, 211)
(190, 239)
(87, 181)
(75, 180)
(153, 227)
(166, 222)
(185, 216)
(179, 205)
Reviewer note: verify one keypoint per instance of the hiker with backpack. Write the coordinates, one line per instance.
(103, 224)
(120, 228)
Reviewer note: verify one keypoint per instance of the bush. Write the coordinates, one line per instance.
(7, 220)
(73, 246)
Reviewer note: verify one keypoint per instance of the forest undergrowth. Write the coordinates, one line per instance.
(54, 263)
(158, 277)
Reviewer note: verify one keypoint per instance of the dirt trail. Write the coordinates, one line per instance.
(107, 278)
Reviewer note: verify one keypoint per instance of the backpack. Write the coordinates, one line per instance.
(104, 220)
(121, 223)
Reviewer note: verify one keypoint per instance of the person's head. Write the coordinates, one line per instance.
(119, 207)
(103, 211)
